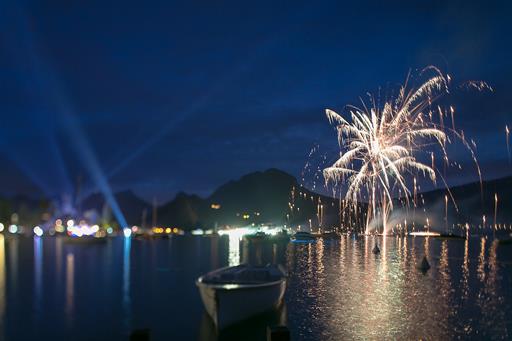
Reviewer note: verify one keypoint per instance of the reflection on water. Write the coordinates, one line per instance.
(490, 298)
(70, 286)
(3, 297)
(385, 296)
(337, 289)
(38, 274)
(481, 261)
(126, 281)
(214, 249)
(260, 251)
(444, 271)
(58, 259)
(465, 272)
(234, 250)
(13, 266)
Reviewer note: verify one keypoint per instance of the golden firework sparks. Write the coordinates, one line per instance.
(380, 144)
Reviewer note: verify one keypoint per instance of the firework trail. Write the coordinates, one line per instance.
(507, 137)
(380, 145)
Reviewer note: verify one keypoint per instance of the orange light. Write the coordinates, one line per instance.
(158, 230)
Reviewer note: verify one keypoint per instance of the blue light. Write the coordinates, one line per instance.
(127, 232)
(91, 164)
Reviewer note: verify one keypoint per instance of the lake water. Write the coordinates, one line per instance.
(336, 289)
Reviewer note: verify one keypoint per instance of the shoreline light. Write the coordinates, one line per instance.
(38, 231)
(13, 228)
(81, 230)
(127, 232)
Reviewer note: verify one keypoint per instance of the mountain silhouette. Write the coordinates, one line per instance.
(274, 196)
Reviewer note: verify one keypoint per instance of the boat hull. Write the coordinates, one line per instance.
(230, 304)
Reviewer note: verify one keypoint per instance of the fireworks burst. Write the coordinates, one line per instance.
(380, 146)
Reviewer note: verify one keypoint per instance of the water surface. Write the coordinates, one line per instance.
(337, 289)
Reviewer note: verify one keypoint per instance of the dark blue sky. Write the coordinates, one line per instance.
(164, 96)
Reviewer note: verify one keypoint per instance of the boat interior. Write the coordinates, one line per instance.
(245, 274)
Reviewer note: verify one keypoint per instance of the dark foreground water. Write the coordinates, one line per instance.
(337, 289)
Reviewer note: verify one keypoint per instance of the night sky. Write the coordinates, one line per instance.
(162, 97)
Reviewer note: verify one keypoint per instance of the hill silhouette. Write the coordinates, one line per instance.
(265, 197)
(259, 197)
(274, 196)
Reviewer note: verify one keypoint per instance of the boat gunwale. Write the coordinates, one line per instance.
(231, 286)
(234, 286)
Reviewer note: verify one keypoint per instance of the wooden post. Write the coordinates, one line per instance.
(278, 333)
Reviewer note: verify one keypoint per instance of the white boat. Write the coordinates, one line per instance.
(236, 293)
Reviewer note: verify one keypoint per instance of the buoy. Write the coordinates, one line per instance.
(424, 265)
(376, 249)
